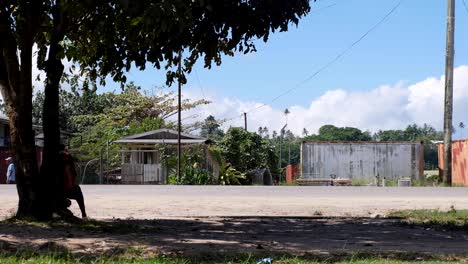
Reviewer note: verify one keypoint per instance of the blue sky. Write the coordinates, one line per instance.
(406, 49)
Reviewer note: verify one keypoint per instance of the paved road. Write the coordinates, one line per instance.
(151, 201)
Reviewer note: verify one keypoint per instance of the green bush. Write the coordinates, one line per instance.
(193, 176)
(230, 176)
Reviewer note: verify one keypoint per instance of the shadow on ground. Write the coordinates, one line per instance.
(265, 236)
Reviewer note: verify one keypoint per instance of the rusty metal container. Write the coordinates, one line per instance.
(292, 172)
(459, 161)
(362, 160)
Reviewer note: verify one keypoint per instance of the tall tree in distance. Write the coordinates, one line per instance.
(333, 133)
(286, 113)
(461, 125)
(211, 128)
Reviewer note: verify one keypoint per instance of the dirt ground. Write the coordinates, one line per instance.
(186, 220)
(153, 201)
(230, 236)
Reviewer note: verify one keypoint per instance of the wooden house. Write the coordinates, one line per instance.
(141, 157)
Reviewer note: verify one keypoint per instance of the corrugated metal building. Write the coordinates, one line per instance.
(459, 161)
(362, 160)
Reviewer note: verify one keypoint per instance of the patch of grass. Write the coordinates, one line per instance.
(360, 182)
(68, 259)
(391, 183)
(135, 255)
(452, 219)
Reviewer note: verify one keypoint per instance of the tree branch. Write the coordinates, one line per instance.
(9, 66)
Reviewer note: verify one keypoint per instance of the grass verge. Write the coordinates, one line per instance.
(452, 219)
(69, 259)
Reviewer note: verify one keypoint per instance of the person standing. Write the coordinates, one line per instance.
(11, 172)
(71, 188)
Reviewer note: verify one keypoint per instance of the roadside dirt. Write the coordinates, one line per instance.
(168, 201)
(231, 236)
(210, 220)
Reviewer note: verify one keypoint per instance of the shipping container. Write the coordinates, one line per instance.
(365, 161)
(459, 161)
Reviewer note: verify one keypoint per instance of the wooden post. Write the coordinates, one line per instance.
(179, 118)
(245, 121)
(101, 176)
(448, 103)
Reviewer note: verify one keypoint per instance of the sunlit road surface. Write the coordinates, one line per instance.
(163, 201)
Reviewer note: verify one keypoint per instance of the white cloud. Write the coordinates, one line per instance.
(39, 76)
(385, 107)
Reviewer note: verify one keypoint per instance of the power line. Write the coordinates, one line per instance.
(242, 115)
(199, 84)
(465, 5)
(323, 8)
(336, 58)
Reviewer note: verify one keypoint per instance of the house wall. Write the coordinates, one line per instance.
(141, 165)
(4, 135)
(459, 161)
(361, 160)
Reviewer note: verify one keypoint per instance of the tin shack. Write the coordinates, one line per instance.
(361, 160)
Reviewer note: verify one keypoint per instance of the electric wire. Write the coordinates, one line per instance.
(336, 58)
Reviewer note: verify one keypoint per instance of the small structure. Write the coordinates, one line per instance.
(142, 161)
(362, 161)
(459, 161)
(261, 176)
(292, 172)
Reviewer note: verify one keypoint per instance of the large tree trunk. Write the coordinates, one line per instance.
(16, 89)
(51, 165)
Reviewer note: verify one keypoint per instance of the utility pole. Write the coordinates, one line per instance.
(448, 103)
(280, 150)
(245, 121)
(280, 156)
(179, 117)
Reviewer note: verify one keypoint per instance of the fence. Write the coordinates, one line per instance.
(361, 160)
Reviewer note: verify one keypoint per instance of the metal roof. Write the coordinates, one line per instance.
(364, 142)
(162, 131)
(161, 136)
(161, 141)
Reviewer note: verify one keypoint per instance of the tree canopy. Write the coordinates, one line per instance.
(106, 38)
(247, 151)
(211, 128)
(149, 31)
(333, 133)
(413, 132)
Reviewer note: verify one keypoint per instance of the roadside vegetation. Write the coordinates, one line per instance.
(451, 219)
(129, 257)
(97, 120)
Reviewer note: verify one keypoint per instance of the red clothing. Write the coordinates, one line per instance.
(69, 172)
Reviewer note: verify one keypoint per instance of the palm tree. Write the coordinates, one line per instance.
(461, 126)
(286, 113)
(305, 132)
